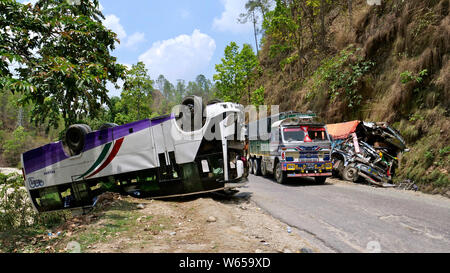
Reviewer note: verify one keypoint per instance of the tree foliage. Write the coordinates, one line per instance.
(136, 97)
(236, 74)
(61, 55)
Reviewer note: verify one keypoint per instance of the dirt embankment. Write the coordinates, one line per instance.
(211, 224)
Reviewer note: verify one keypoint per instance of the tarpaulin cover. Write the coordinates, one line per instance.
(342, 130)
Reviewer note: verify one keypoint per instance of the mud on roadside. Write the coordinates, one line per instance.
(199, 224)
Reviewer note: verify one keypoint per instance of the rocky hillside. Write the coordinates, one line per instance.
(376, 63)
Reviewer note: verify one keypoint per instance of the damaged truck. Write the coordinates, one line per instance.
(366, 150)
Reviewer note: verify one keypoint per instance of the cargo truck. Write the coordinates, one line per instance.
(289, 144)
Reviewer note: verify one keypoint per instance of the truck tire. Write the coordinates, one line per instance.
(280, 176)
(250, 166)
(257, 167)
(264, 169)
(350, 173)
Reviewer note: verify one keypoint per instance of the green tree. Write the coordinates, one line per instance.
(62, 52)
(136, 97)
(201, 87)
(15, 146)
(249, 64)
(254, 7)
(235, 74)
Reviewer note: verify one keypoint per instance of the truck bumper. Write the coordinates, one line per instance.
(308, 174)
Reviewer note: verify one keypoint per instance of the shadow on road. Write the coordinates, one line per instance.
(299, 182)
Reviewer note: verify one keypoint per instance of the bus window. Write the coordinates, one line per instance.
(50, 199)
(82, 194)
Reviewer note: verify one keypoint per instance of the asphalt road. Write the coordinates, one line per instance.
(347, 217)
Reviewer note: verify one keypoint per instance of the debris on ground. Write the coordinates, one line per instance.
(366, 150)
(408, 185)
(190, 225)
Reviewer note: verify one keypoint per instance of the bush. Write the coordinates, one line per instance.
(16, 210)
(15, 146)
(341, 76)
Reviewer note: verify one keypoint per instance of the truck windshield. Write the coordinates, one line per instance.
(293, 134)
(317, 134)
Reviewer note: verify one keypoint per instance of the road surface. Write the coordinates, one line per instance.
(347, 217)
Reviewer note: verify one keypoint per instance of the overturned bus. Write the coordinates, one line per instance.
(289, 144)
(196, 149)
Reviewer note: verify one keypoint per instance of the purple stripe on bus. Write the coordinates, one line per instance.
(97, 138)
(124, 130)
(43, 156)
(53, 153)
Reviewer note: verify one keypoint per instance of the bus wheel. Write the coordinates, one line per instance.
(257, 167)
(280, 176)
(320, 180)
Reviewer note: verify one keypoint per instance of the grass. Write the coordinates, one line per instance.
(428, 162)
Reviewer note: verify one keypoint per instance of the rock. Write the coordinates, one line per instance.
(140, 206)
(243, 207)
(211, 219)
(306, 250)
(173, 233)
(258, 251)
(447, 193)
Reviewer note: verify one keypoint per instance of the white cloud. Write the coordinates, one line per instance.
(228, 21)
(136, 38)
(182, 57)
(113, 22)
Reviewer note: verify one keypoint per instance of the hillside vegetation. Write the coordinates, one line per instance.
(348, 60)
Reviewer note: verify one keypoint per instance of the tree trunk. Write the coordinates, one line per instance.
(255, 31)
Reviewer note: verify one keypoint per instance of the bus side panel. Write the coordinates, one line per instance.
(137, 152)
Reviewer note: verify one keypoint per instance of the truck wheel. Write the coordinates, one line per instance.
(320, 180)
(350, 173)
(263, 168)
(257, 167)
(280, 176)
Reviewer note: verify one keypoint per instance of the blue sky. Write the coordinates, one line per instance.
(177, 38)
